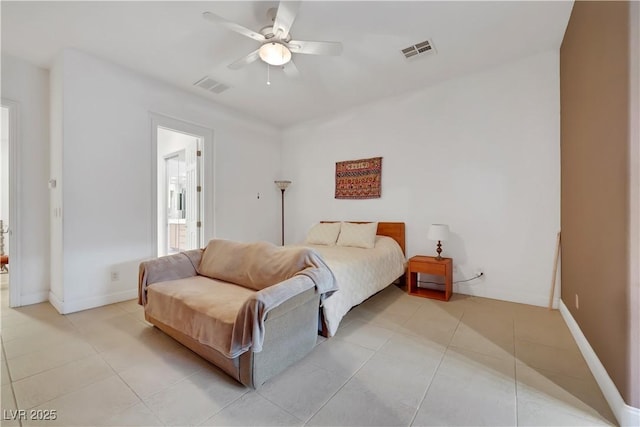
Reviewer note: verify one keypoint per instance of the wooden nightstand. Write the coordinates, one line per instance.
(430, 265)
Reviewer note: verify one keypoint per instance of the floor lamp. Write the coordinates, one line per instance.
(282, 185)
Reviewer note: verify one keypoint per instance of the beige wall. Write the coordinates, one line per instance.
(634, 243)
(595, 184)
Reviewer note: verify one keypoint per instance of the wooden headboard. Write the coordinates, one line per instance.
(395, 230)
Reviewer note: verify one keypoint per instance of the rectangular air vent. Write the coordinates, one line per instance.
(211, 85)
(418, 49)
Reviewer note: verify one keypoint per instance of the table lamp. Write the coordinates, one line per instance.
(439, 232)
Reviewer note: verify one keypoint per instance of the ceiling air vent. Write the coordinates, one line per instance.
(419, 49)
(211, 85)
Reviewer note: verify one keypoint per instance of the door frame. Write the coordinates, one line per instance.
(15, 234)
(207, 174)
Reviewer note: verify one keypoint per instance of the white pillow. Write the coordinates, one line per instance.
(358, 235)
(325, 233)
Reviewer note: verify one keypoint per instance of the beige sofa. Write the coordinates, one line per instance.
(249, 308)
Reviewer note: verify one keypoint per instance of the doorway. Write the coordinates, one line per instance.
(182, 161)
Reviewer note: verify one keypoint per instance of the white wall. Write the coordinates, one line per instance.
(107, 174)
(28, 86)
(55, 171)
(480, 153)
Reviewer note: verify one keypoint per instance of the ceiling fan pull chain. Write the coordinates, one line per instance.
(268, 78)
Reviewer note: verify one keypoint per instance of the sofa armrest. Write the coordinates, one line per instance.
(291, 332)
(284, 296)
(249, 328)
(171, 267)
(291, 303)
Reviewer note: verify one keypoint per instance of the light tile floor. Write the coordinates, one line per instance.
(396, 360)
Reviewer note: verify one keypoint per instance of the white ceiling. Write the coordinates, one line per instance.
(170, 41)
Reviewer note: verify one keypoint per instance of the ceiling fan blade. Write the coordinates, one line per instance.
(244, 60)
(315, 48)
(212, 17)
(287, 11)
(290, 69)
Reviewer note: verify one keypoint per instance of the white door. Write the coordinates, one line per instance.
(192, 196)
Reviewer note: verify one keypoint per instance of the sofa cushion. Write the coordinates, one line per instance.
(199, 307)
(253, 265)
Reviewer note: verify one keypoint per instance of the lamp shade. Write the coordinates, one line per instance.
(438, 232)
(282, 185)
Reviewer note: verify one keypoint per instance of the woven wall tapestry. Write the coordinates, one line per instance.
(359, 179)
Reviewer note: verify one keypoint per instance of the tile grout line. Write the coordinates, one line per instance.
(175, 383)
(549, 370)
(568, 348)
(54, 367)
(97, 353)
(435, 372)
(13, 392)
(395, 333)
(346, 382)
(140, 398)
(227, 405)
(32, 334)
(70, 335)
(72, 391)
(132, 390)
(272, 402)
(117, 374)
(181, 381)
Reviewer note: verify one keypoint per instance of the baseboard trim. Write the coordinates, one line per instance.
(56, 303)
(506, 295)
(625, 414)
(66, 307)
(36, 298)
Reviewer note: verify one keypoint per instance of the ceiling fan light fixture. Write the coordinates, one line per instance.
(274, 53)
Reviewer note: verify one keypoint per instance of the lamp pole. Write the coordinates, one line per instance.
(282, 185)
(282, 210)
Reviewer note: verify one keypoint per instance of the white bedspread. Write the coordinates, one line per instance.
(360, 273)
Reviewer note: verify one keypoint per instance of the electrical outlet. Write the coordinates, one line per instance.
(577, 303)
(115, 276)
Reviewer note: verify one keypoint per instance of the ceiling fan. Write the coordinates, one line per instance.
(277, 44)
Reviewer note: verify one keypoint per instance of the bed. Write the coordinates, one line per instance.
(361, 273)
